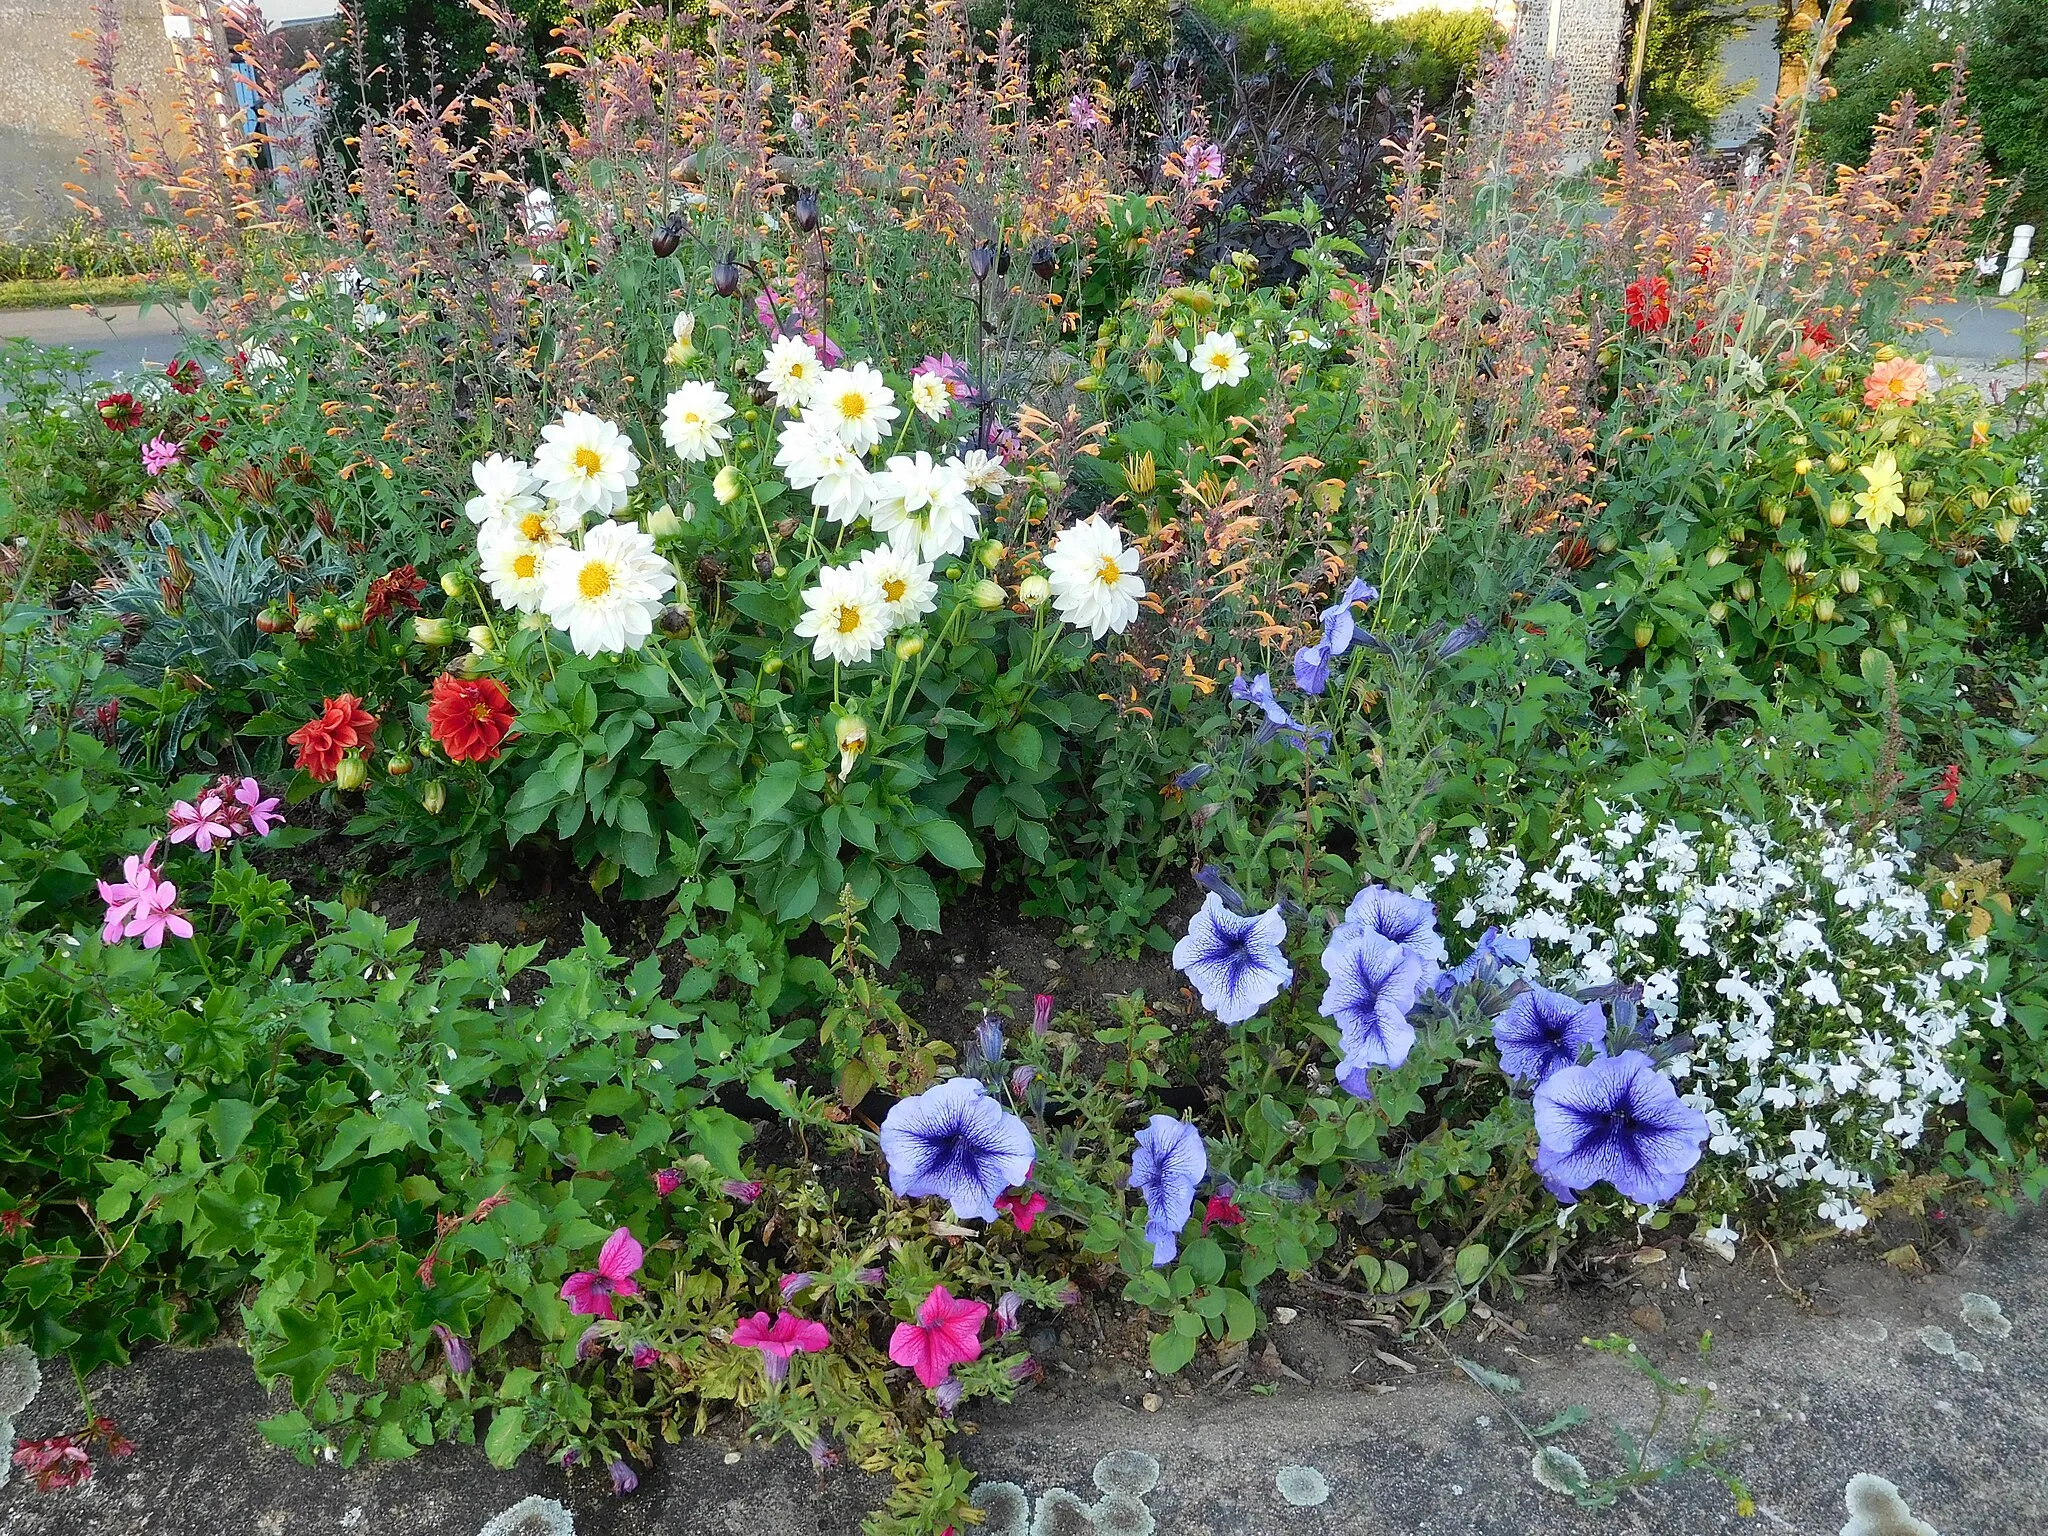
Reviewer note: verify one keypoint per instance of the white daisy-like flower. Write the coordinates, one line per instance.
(536, 521)
(858, 404)
(504, 486)
(983, 471)
(1220, 359)
(693, 421)
(607, 593)
(790, 371)
(932, 396)
(904, 581)
(511, 566)
(922, 504)
(586, 463)
(1094, 576)
(845, 615)
(815, 458)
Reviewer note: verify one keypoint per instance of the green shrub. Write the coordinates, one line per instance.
(1423, 53)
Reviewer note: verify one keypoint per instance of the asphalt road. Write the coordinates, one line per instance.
(127, 341)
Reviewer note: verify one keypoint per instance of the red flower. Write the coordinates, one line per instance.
(1951, 785)
(396, 591)
(205, 438)
(470, 717)
(1649, 303)
(1221, 1211)
(58, 1462)
(15, 1221)
(1703, 263)
(342, 727)
(120, 412)
(1817, 332)
(184, 375)
(1024, 1209)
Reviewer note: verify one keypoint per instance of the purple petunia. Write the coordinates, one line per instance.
(1495, 952)
(1235, 960)
(1340, 624)
(1542, 1031)
(1312, 669)
(1616, 1120)
(957, 1143)
(1409, 921)
(1167, 1165)
(1374, 983)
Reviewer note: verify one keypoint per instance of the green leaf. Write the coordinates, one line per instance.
(1204, 1258)
(307, 1354)
(1472, 1262)
(945, 841)
(508, 1437)
(774, 789)
(230, 1120)
(1171, 1351)
(1498, 1381)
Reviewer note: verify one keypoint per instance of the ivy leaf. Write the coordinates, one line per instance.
(307, 1355)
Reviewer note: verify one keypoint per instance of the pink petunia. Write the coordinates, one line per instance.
(947, 1333)
(1023, 1208)
(590, 1292)
(787, 1335)
(667, 1181)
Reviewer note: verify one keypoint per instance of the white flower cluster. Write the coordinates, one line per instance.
(1814, 994)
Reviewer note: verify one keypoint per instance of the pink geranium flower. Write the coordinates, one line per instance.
(787, 1335)
(158, 455)
(202, 823)
(1023, 1208)
(590, 1292)
(263, 813)
(144, 906)
(947, 1333)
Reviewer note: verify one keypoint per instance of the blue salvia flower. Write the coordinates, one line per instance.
(1541, 1032)
(1340, 624)
(1211, 879)
(1616, 1120)
(1312, 669)
(1235, 960)
(1167, 1165)
(957, 1143)
(1374, 983)
(1409, 921)
(1463, 638)
(1495, 952)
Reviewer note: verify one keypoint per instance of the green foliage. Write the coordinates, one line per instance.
(1874, 68)
(1683, 86)
(1424, 53)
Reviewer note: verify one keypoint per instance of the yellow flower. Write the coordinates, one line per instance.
(1882, 501)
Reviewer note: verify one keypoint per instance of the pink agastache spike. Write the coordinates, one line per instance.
(590, 1292)
(947, 1333)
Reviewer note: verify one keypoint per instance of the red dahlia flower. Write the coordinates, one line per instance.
(1649, 303)
(396, 591)
(343, 726)
(184, 376)
(470, 717)
(120, 412)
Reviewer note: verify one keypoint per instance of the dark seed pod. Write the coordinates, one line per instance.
(981, 260)
(806, 213)
(666, 239)
(674, 620)
(725, 276)
(711, 571)
(764, 564)
(1044, 261)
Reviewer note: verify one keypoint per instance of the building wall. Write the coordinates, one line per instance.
(43, 121)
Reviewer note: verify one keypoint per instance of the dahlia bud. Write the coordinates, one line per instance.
(910, 647)
(990, 552)
(1718, 555)
(351, 773)
(987, 595)
(850, 735)
(272, 621)
(433, 796)
(1141, 474)
(451, 583)
(726, 487)
(349, 621)
(1795, 559)
(674, 620)
(662, 522)
(1717, 611)
(1824, 609)
(1607, 544)
(398, 765)
(481, 640)
(1839, 512)
(1745, 589)
(1645, 633)
(432, 631)
(2007, 528)
(771, 666)
(307, 624)
(1034, 591)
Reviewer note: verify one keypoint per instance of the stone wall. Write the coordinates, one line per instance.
(43, 121)
(1584, 38)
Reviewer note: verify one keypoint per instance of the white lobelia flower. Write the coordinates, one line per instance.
(693, 421)
(983, 471)
(586, 463)
(932, 396)
(858, 404)
(814, 458)
(512, 566)
(607, 593)
(1220, 359)
(845, 615)
(791, 371)
(504, 487)
(1094, 576)
(904, 581)
(923, 506)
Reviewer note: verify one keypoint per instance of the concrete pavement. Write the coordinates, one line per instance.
(127, 341)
